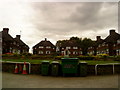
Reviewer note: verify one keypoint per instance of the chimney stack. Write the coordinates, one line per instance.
(45, 39)
(112, 32)
(18, 36)
(98, 38)
(6, 30)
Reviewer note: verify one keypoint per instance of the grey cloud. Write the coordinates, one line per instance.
(57, 20)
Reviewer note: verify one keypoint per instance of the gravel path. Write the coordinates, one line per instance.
(37, 81)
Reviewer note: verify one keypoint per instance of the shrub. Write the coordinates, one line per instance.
(86, 57)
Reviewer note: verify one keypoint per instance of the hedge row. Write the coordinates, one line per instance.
(38, 57)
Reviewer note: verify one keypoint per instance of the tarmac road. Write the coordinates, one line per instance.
(10, 80)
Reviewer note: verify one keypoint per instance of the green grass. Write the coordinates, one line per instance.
(90, 62)
(25, 60)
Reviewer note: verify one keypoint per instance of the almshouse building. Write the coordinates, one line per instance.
(12, 45)
(22, 47)
(110, 45)
(69, 47)
(44, 47)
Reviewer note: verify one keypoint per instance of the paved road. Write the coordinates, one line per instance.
(38, 81)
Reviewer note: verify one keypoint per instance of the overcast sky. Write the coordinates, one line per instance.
(58, 20)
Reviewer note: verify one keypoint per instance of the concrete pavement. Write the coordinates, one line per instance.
(10, 80)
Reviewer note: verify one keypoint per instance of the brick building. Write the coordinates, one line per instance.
(110, 45)
(69, 47)
(113, 42)
(22, 47)
(11, 45)
(44, 47)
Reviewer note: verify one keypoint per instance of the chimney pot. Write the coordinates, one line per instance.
(6, 30)
(98, 38)
(112, 31)
(18, 36)
(45, 39)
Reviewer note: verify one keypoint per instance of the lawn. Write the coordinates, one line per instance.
(90, 62)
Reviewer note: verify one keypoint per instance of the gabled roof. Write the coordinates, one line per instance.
(70, 43)
(6, 36)
(100, 41)
(44, 43)
(21, 43)
(112, 38)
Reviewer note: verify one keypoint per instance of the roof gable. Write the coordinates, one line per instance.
(44, 43)
(112, 38)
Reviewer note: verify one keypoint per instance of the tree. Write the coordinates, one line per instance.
(74, 38)
(85, 43)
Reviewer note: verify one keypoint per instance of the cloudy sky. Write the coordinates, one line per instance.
(58, 20)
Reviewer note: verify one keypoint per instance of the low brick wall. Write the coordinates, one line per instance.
(36, 68)
(10, 67)
(91, 70)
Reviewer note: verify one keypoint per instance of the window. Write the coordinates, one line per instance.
(106, 44)
(40, 46)
(103, 44)
(75, 52)
(47, 52)
(69, 52)
(67, 47)
(62, 52)
(40, 52)
(99, 45)
(0, 39)
(75, 47)
(48, 47)
(118, 41)
(114, 45)
(14, 43)
(80, 52)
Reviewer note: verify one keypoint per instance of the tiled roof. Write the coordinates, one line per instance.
(20, 42)
(44, 43)
(6, 36)
(112, 38)
(70, 43)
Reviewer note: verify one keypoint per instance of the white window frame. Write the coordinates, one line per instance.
(75, 52)
(62, 52)
(118, 41)
(48, 47)
(41, 47)
(40, 52)
(48, 52)
(68, 47)
(75, 47)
